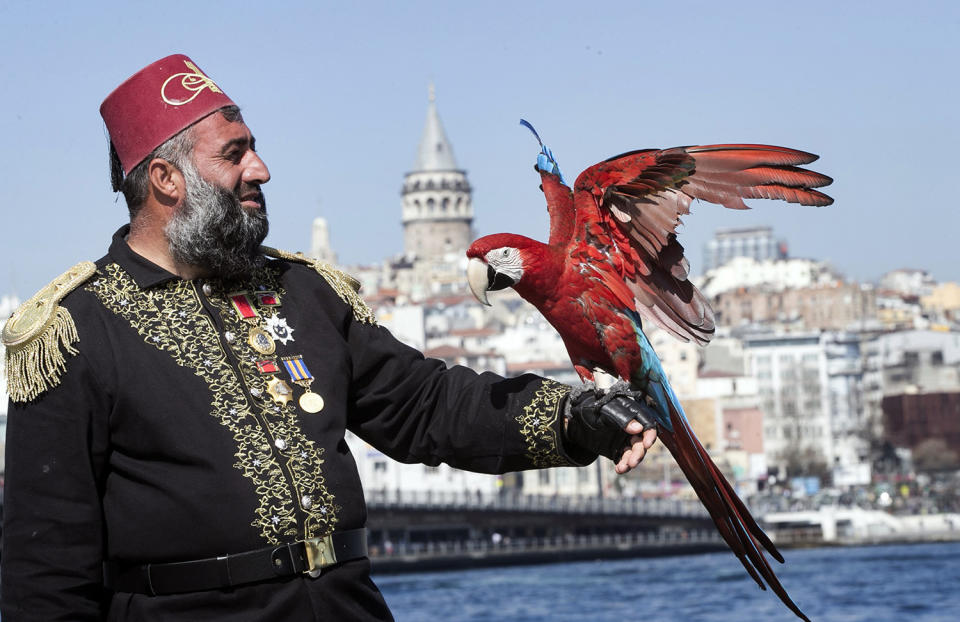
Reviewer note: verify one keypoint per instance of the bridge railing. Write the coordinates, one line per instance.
(565, 543)
(509, 502)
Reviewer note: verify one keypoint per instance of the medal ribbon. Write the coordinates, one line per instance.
(298, 369)
(244, 306)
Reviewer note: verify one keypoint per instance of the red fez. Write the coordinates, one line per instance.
(156, 103)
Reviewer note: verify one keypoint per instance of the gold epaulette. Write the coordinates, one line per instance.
(37, 331)
(347, 287)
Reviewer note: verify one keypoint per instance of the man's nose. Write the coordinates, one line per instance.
(255, 171)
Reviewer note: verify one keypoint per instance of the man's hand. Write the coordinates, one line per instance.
(614, 426)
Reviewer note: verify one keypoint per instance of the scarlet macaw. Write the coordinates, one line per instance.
(613, 260)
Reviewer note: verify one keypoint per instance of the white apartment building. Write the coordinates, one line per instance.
(811, 389)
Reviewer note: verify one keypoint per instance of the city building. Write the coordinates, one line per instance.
(755, 242)
(943, 303)
(908, 281)
(811, 390)
(739, 273)
(838, 306)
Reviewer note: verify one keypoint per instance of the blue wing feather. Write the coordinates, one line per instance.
(545, 161)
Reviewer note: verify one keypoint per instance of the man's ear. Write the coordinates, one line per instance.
(166, 181)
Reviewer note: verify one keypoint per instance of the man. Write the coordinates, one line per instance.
(175, 446)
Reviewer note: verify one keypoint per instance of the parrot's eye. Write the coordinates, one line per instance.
(506, 252)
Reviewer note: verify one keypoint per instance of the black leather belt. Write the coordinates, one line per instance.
(303, 556)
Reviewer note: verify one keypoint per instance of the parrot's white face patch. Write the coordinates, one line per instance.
(506, 260)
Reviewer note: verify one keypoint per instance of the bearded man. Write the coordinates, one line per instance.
(175, 444)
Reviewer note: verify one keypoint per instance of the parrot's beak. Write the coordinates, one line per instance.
(478, 280)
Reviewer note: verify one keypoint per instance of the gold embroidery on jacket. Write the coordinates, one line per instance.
(345, 286)
(538, 425)
(302, 459)
(171, 318)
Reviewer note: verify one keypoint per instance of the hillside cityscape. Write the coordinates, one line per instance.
(815, 388)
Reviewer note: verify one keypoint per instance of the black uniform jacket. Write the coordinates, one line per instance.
(168, 438)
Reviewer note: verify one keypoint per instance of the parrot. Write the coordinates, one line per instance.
(613, 261)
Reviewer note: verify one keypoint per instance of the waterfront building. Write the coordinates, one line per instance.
(915, 361)
(811, 390)
(928, 424)
(755, 242)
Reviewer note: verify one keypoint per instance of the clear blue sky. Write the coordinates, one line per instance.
(336, 95)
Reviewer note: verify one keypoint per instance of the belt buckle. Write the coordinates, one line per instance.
(320, 554)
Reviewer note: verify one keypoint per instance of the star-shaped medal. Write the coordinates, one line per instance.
(279, 329)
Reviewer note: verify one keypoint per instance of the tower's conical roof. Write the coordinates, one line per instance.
(434, 153)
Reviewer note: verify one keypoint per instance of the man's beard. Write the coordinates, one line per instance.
(214, 232)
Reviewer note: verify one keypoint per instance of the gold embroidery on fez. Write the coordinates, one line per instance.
(194, 81)
(537, 425)
(172, 319)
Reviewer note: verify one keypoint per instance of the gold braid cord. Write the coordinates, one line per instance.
(347, 287)
(39, 333)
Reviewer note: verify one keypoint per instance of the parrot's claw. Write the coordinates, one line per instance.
(643, 413)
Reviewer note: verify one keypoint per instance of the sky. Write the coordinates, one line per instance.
(336, 95)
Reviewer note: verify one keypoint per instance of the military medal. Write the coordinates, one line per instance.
(258, 338)
(309, 401)
(280, 391)
(279, 329)
(267, 298)
(267, 367)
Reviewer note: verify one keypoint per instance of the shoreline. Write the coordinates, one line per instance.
(461, 558)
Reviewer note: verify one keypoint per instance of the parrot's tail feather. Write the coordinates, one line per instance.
(527, 125)
(733, 520)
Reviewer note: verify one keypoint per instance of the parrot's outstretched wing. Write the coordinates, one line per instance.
(632, 204)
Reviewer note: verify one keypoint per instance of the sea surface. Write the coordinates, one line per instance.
(905, 583)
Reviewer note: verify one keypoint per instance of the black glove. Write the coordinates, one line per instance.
(596, 422)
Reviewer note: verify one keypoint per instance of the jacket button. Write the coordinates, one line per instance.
(207, 290)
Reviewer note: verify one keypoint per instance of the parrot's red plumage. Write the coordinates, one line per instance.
(613, 259)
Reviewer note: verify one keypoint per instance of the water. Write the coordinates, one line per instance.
(902, 583)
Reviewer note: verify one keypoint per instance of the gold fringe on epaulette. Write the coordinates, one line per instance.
(38, 364)
(343, 285)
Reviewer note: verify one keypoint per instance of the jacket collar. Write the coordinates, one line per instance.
(143, 271)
